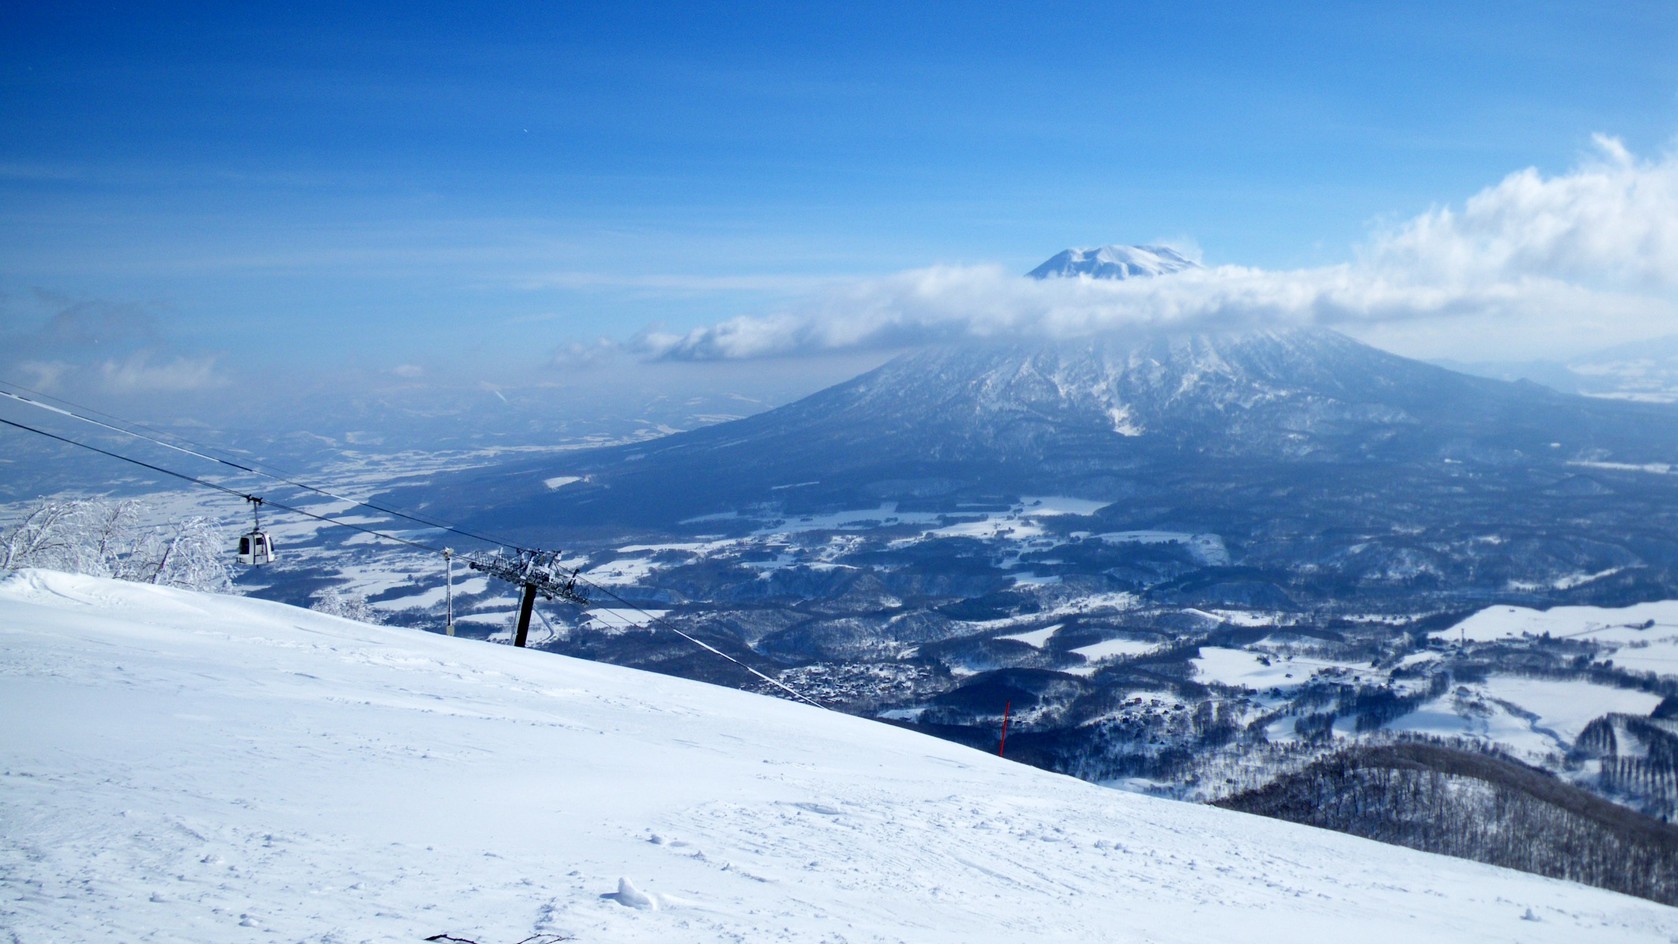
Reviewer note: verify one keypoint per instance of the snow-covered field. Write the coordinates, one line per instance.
(1207, 548)
(1095, 653)
(1566, 707)
(1537, 719)
(1639, 624)
(179, 767)
(1037, 638)
(1532, 718)
(1240, 668)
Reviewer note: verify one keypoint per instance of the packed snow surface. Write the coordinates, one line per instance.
(180, 767)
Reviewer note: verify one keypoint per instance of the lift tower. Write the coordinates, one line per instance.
(537, 572)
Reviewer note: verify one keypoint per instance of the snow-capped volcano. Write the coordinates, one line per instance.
(1093, 417)
(190, 767)
(1114, 262)
(1319, 458)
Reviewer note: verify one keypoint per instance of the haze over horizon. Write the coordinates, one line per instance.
(361, 198)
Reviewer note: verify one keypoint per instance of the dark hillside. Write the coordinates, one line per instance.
(1478, 807)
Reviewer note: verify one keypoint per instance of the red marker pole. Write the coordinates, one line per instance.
(1004, 745)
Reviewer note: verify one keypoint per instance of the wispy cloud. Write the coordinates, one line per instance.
(585, 355)
(139, 373)
(44, 375)
(85, 324)
(93, 344)
(673, 284)
(38, 172)
(1593, 252)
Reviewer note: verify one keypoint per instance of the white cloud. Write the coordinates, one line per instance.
(678, 285)
(45, 375)
(1528, 265)
(137, 374)
(1613, 220)
(584, 355)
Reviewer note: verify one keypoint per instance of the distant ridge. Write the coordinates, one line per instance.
(1114, 262)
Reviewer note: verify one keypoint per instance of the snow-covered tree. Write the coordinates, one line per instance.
(54, 534)
(335, 602)
(191, 554)
(111, 539)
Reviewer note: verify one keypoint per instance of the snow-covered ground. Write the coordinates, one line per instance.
(1565, 707)
(1207, 548)
(1642, 637)
(1240, 668)
(1535, 719)
(180, 767)
(1639, 622)
(1037, 638)
(1096, 653)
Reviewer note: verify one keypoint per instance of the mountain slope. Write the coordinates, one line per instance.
(199, 768)
(1098, 419)
(1114, 262)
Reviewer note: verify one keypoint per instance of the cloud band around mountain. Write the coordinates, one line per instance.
(1593, 251)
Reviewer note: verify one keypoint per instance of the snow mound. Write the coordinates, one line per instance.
(187, 767)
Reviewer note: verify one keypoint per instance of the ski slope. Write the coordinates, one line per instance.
(183, 767)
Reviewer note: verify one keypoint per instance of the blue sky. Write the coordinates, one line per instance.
(466, 190)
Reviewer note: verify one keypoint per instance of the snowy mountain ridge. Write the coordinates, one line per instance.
(212, 768)
(1074, 417)
(1159, 380)
(1114, 262)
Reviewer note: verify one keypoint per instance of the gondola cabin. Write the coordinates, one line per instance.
(256, 547)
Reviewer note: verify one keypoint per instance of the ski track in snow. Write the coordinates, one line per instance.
(177, 767)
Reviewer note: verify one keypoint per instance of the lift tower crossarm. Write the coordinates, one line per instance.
(537, 572)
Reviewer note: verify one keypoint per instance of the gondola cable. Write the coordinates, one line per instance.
(486, 565)
(654, 618)
(219, 487)
(239, 466)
